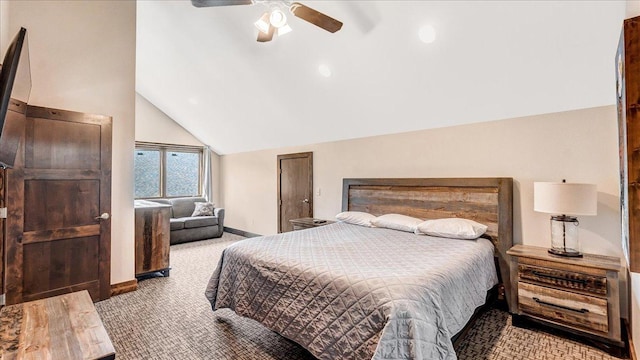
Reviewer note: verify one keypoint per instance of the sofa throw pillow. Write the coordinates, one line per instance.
(203, 209)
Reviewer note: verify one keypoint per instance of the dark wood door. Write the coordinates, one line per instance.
(59, 201)
(2, 237)
(295, 188)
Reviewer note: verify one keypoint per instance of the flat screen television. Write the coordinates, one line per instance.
(15, 83)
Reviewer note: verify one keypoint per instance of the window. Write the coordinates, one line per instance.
(163, 170)
(147, 165)
(183, 173)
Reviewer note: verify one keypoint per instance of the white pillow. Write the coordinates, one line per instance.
(452, 228)
(356, 218)
(396, 222)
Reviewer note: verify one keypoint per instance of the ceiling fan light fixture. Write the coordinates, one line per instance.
(274, 21)
(277, 18)
(284, 30)
(263, 23)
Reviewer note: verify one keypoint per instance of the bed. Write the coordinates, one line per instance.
(344, 291)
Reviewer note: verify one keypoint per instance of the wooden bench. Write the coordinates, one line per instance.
(60, 327)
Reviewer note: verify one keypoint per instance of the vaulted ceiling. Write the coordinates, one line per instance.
(490, 60)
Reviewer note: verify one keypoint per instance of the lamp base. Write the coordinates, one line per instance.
(566, 253)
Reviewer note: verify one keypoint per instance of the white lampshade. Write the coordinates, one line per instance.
(565, 198)
(284, 30)
(263, 23)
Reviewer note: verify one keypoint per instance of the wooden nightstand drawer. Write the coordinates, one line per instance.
(579, 295)
(583, 311)
(559, 278)
(308, 223)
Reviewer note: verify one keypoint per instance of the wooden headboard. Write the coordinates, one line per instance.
(488, 201)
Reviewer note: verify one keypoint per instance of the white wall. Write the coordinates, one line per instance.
(152, 125)
(633, 9)
(4, 27)
(83, 59)
(580, 146)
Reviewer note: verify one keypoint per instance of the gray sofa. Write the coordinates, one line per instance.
(185, 227)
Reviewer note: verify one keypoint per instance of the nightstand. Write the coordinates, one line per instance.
(579, 295)
(307, 223)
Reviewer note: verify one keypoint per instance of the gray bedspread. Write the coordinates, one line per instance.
(350, 292)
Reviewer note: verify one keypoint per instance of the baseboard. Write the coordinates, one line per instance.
(632, 350)
(124, 287)
(240, 232)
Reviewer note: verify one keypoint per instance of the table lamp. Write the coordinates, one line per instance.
(564, 201)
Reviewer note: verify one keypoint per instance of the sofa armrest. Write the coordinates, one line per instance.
(219, 212)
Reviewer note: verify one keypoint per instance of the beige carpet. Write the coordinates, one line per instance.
(169, 318)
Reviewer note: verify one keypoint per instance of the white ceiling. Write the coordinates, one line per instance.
(491, 60)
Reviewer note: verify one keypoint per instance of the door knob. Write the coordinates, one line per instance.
(305, 201)
(104, 216)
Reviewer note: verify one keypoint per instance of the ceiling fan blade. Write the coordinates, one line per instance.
(315, 17)
(207, 3)
(264, 37)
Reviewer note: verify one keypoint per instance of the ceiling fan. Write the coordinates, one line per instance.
(274, 21)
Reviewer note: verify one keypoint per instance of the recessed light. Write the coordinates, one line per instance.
(427, 34)
(324, 70)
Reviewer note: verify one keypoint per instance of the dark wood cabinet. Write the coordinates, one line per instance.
(152, 237)
(579, 295)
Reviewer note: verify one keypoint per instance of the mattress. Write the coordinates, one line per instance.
(351, 292)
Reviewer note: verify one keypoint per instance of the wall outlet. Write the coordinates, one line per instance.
(3, 213)
(318, 192)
